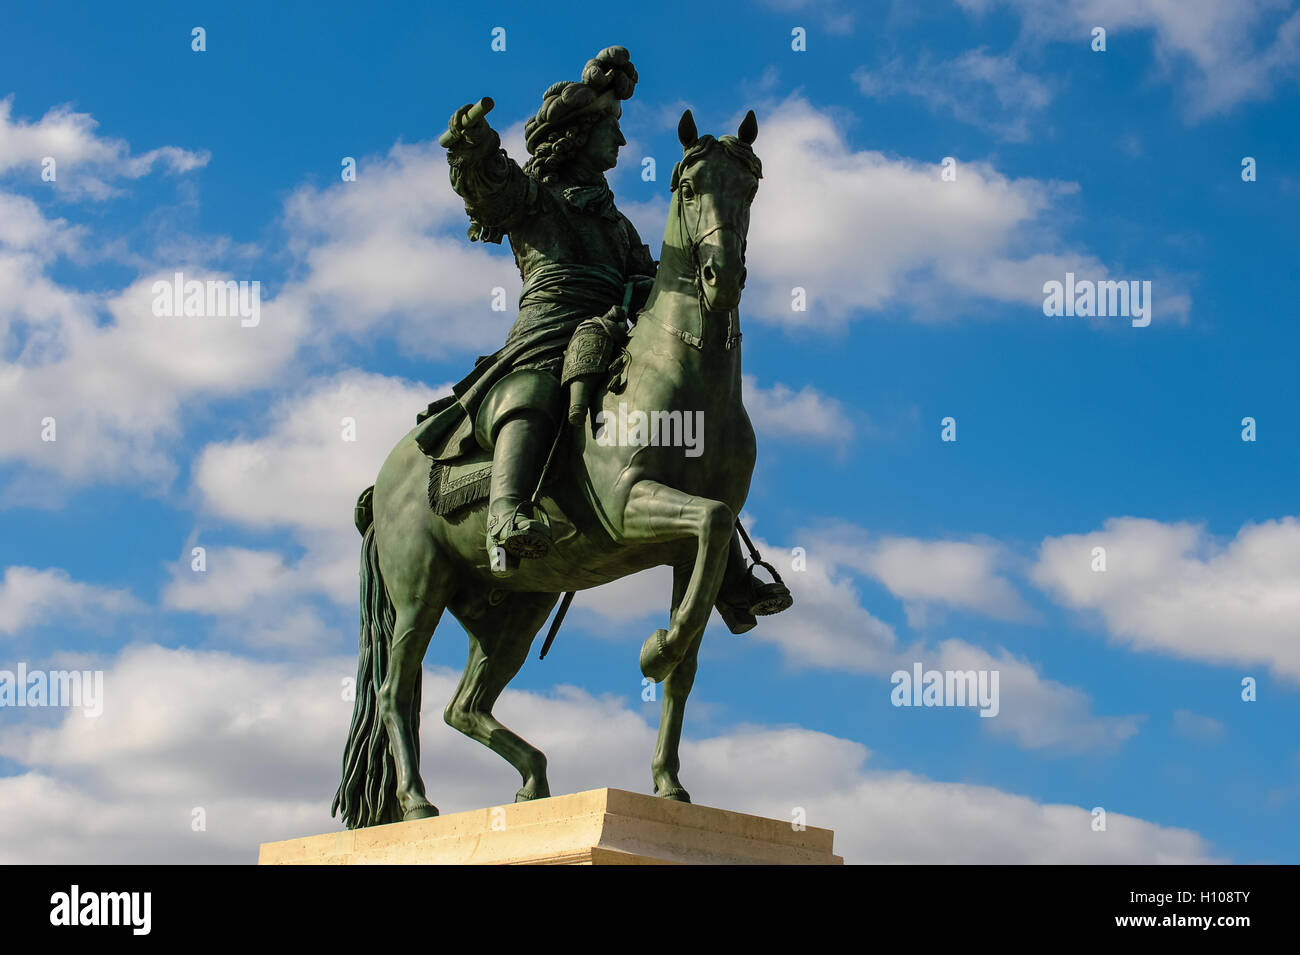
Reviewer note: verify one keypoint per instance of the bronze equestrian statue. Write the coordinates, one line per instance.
(601, 329)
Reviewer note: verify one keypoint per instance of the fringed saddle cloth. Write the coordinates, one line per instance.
(459, 484)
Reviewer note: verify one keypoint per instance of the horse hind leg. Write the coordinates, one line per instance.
(499, 641)
(381, 762)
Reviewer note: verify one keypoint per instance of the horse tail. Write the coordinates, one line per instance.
(368, 793)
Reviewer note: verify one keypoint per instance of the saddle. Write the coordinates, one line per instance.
(460, 474)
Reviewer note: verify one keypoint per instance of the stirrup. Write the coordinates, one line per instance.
(520, 535)
(766, 599)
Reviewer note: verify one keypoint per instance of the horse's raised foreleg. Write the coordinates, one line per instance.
(499, 639)
(667, 762)
(656, 512)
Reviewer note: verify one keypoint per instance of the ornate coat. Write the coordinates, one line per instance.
(577, 255)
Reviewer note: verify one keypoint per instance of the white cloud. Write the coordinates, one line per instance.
(1173, 588)
(780, 412)
(119, 380)
(961, 574)
(910, 820)
(389, 250)
(828, 627)
(1035, 712)
(257, 745)
(31, 597)
(302, 476)
(116, 389)
(114, 377)
(1220, 54)
(33, 308)
(258, 599)
(86, 163)
(302, 473)
(23, 228)
(859, 230)
(627, 599)
(232, 578)
(976, 87)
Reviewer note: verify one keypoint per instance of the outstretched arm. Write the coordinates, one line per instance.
(496, 191)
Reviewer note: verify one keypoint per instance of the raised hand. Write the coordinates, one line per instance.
(467, 123)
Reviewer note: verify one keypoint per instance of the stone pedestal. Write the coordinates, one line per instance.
(598, 827)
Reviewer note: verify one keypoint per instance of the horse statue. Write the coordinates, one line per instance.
(617, 507)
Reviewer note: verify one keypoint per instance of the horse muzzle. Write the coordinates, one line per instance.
(720, 283)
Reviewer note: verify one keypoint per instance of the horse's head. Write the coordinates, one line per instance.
(713, 186)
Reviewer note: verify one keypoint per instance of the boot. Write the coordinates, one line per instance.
(743, 597)
(733, 600)
(515, 524)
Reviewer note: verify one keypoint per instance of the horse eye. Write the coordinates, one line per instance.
(687, 191)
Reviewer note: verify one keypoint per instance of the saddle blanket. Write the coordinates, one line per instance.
(459, 484)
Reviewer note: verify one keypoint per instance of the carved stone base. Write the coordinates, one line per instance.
(598, 827)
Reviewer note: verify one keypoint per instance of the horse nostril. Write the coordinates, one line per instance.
(709, 275)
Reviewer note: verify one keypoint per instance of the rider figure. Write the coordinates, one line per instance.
(578, 256)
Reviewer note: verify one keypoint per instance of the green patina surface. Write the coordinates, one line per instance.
(609, 508)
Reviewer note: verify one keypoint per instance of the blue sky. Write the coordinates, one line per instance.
(1119, 690)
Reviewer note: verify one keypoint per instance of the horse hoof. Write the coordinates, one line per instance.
(677, 794)
(656, 662)
(426, 811)
(528, 795)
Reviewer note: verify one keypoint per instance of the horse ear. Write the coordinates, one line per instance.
(748, 131)
(686, 130)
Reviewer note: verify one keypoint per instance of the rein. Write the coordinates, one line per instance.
(693, 247)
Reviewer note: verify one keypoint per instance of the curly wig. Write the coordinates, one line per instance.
(569, 110)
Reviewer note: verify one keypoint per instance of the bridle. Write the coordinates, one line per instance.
(694, 239)
(694, 246)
